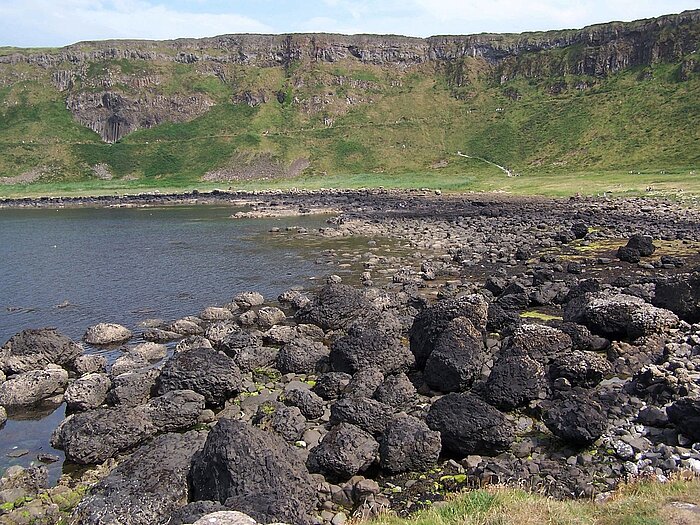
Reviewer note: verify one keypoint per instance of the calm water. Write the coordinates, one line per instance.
(126, 265)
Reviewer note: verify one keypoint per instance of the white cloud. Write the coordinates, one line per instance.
(53, 22)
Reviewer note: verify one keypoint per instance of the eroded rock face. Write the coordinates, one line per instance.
(626, 316)
(145, 488)
(468, 425)
(254, 471)
(33, 349)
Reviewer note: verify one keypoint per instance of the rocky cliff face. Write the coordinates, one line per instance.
(106, 92)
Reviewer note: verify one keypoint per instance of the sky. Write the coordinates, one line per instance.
(49, 23)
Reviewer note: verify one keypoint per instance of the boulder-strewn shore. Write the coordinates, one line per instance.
(548, 343)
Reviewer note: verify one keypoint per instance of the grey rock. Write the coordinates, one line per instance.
(408, 444)
(246, 300)
(253, 471)
(367, 346)
(90, 364)
(396, 391)
(344, 452)
(331, 385)
(175, 410)
(311, 405)
(132, 388)
(269, 316)
(33, 349)
(287, 421)
(87, 392)
(367, 414)
(457, 358)
(364, 383)
(97, 435)
(207, 372)
(303, 356)
(107, 334)
(468, 425)
(580, 368)
(33, 386)
(145, 488)
(336, 306)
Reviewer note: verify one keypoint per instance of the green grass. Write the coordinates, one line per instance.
(643, 503)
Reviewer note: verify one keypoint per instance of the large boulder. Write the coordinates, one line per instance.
(468, 425)
(457, 359)
(254, 471)
(408, 444)
(335, 306)
(637, 246)
(175, 410)
(107, 334)
(580, 368)
(87, 392)
(430, 322)
(626, 316)
(331, 385)
(303, 356)
(367, 346)
(97, 435)
(344, 452)
(33, 386)
(33, 349)
(206, 371)
(575, 418)
(539, 341)
(145, 488)
(515, 380)
(367, 414)
(681, 295)
(685, 416)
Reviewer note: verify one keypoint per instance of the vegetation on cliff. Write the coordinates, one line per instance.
(614, 98)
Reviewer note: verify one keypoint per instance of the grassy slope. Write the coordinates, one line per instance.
(587, 141)
(645, 503)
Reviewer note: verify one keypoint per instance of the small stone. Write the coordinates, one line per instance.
(17, 453)
(47, 458)
(339, 519)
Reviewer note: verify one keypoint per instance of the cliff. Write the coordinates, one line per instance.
(117, 87)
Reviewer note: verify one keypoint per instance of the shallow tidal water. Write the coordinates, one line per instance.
(71, 268)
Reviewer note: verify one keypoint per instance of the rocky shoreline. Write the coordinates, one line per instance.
(552, 344)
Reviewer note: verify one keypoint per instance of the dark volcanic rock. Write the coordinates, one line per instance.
(369, 347)
(429, 323)
(191, 512)
(364, 383)
(579, 229)
(681, 295)
(33, 349)
(468, 425)
(457, 358)
(203, 370)
(515, 380)
(331, 385)
(344, 452)
(145, 488)
(335, 306)
(627, 254)
(132, 388)
(287, 421)
(539, 341)
(642, 243)
(575, 418)
(310, 404)
(626, 316)
(396, 391)
(253, 471)
(367, 414)
(175, 410)
(408, 445)
(303, 356)
(685, 416)
(585, 369)
(97, 435)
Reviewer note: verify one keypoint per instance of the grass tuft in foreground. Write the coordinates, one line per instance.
(640, 503)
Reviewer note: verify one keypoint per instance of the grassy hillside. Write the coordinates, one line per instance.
(357, 124)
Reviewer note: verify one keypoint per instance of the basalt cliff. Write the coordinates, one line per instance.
(273, 105)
